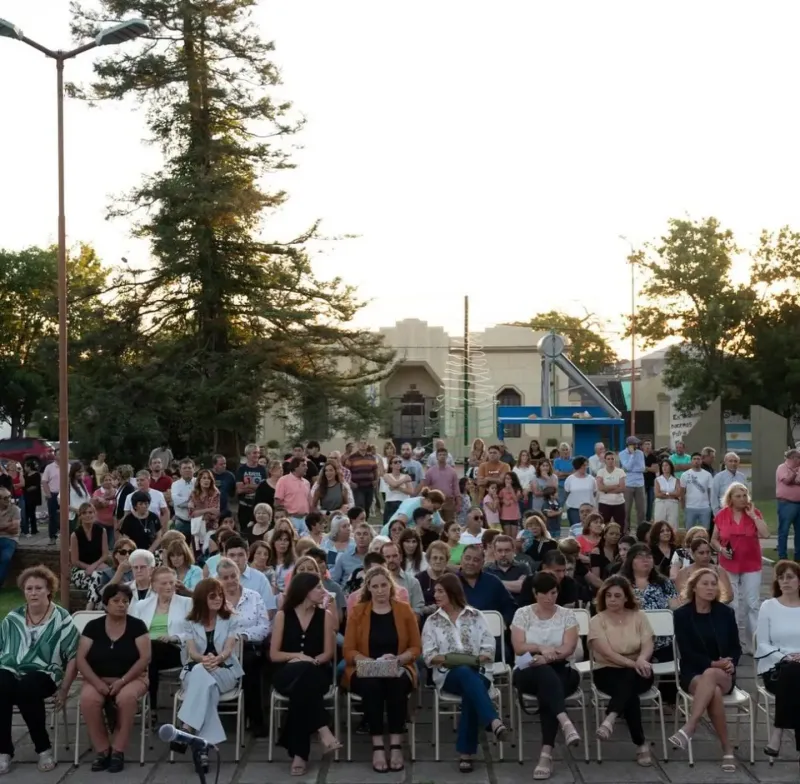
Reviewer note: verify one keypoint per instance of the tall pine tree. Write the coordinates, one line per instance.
(249, 324)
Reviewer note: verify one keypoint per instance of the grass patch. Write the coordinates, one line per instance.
(10, 599)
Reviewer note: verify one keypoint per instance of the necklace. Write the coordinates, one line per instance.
(29, 618)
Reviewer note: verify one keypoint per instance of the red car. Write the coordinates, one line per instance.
(21, 448)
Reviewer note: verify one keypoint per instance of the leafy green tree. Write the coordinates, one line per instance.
(588, 349)
(738, 338)
(29, 325)
(249, 324)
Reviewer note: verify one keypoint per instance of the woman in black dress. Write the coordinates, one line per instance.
(302, 647)
(708, 643)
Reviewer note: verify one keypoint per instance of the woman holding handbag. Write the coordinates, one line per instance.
(457, 645)
(301, 649)
(381, 646)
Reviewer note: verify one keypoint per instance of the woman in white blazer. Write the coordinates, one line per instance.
(211, 667)
(164, 614)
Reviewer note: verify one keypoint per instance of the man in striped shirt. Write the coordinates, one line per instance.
(363, 475)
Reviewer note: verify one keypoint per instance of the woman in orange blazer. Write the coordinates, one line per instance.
(381, 628)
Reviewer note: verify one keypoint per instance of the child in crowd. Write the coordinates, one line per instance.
(465, 489)
(509, 497)
(552, 511)
(491, 506)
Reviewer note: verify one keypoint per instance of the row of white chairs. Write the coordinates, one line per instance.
(232, 702)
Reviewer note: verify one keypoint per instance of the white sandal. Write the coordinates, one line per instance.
(542, 772)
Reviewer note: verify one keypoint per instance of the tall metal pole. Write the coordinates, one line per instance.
(466, 371)
(633, 348)
(63, 357)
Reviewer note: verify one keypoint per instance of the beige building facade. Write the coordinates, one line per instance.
(426, 389)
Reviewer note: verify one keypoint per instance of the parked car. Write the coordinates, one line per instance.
(20, 449)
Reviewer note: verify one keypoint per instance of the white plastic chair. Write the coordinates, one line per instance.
(765, 702)
(575, 699)
(501, 672)
(231, 703)
(278, 704)
(650, 700)
(738, 701)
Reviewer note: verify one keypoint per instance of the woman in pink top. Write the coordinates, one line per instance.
(510, 495)
(738, 527)
(104, 502)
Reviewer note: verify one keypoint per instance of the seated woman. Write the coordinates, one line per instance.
(382, 628)
(410, 545)
(458, 628)
(701, 554)
(164, 614)
(437, 556)
(119, 572)
(683, 554)
(339, 538)
(262, 520)
(661, 540)
(778, 653)
(622, 645)
(708, 644)
(534, 539)
(38, 643)
(142, 563)
(302, 650)
(141, 524)
(210, 664)
(592, 534)
(178, 557)
(113, 656)
(282, 558)
(451, 536)
(604, 555)
(88, 552)
(544, 636)
(258, 558)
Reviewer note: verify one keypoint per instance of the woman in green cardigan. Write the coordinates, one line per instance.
(38, 643)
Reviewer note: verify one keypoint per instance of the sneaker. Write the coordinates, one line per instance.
(28, 536)
(46, 761)
(5, 763)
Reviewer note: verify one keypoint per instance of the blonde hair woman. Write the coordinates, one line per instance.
(738, 530)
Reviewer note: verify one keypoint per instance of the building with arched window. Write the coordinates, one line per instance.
(426, 391)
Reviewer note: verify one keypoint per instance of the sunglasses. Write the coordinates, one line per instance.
(124, 552)
(397, 462)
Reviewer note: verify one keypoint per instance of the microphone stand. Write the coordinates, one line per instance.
(200, 764)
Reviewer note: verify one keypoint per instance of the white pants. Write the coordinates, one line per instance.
(746, 600)
(201, 690)
(666, 509)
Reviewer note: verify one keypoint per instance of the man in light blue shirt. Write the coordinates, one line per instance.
(236, 550)
(724, 479)
(632, 462)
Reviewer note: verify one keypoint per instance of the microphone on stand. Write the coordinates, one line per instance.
(171, 734)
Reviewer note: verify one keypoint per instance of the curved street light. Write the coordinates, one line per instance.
(119, 33)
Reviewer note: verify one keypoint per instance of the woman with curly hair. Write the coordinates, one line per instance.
(330, 494)
(661, 540)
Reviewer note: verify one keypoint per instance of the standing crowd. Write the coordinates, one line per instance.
(471, 587)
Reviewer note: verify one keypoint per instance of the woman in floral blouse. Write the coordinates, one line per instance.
(38, 643)
(457, 628)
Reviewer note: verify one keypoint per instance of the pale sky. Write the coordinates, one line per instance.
(491, 149)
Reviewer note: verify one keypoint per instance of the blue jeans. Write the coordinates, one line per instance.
(693, 517)
(788, 517)
(7, 549)
(53, 524)
(562, 495)
(477, 710)
(573, 516)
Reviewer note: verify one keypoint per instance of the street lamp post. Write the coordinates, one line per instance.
(633, 334)
(125, 31)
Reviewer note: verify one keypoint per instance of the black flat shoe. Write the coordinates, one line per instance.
(101, 762)
(770, 752)
(117, 763)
